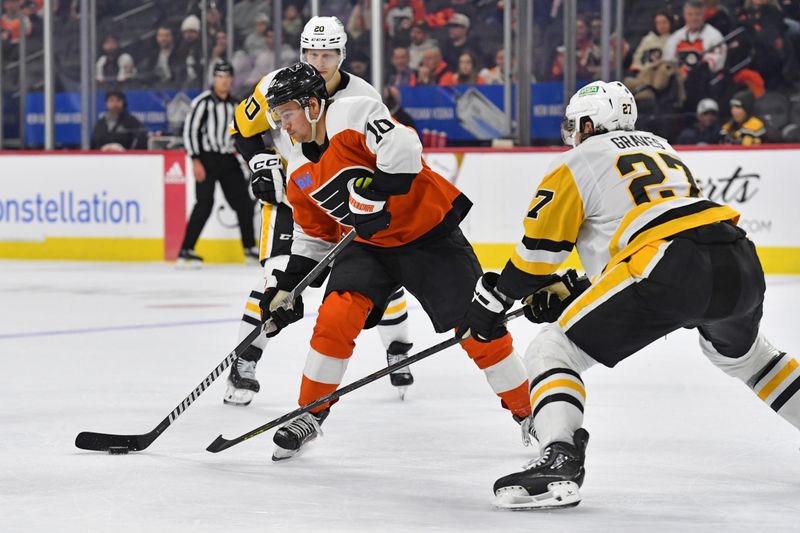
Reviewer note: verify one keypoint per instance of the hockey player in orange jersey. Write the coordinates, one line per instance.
(355, 167)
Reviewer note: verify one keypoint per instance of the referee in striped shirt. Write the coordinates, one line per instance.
(206, 138)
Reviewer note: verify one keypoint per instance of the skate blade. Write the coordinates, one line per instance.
(283, 454)
(559, 495)
(401, 392)
(184, 264)
(240, 397)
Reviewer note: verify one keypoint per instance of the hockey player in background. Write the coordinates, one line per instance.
(661, 257)
(354, 166)
(322, 44)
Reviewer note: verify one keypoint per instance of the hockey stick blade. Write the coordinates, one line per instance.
(221, 443)
(88, 440)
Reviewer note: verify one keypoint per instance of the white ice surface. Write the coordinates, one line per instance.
(675, 444)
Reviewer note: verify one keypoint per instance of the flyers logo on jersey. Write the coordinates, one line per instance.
(333, 196)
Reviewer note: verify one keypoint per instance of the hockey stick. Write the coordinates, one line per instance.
(88, 440)
(222, 443)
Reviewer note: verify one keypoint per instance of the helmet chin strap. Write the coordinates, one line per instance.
(315, 120)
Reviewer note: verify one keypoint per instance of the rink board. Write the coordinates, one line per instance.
(133, 206)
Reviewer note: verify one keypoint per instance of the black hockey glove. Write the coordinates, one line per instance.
(368, 209)
(547, 304)
(268, 179)
(282, 312)
(486, 313)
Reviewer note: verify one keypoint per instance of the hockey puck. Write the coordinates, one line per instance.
(118, 450)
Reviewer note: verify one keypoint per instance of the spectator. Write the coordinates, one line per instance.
(256, 42)
(698, 50)
(420, 42)
(402, 73)
(401, 15)
(424, 76)
(11, 22)
(435, 65)
(265, 61)
(764, 25)
(494, 75)
(292, 25)
(458, 39)
(219, 54)
(162, 64)
(694, 46)
(358, 23)
(359, 64)
(117, 130)
(718, 16)
(213, 23)
(706, 128)
(114, 66)
(743, 128)
(392, 100)
(190, 54)
(651, 47)
(587, 66)
(245, 12)
(467, 73)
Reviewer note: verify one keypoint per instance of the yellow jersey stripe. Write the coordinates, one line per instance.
(673, 227)
(779, 378)
(538, 269)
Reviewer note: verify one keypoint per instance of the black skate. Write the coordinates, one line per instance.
(251, 256)
(290, 438)
(242, 382)
(189, 259)
(401, 378)
(551, 481)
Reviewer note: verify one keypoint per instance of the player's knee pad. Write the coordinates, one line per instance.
(486, 354)
(341, 318)
(746, 367)
(551, 348)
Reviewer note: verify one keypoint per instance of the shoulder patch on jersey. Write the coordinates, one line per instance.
(303, 181)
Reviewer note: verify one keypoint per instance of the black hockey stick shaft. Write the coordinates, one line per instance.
(222, 443)
(88, 440)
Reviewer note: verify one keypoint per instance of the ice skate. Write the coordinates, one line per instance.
(187, 259)
(242, 383)
(551, 481)
(251, 256)
(400, 378)
(292, 437)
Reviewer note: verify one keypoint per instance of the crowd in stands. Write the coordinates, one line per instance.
(694, 65)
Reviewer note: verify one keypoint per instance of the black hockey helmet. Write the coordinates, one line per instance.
(298, 82)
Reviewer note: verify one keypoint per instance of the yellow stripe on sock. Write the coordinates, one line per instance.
(779, 378)
(558, 383)
(253, 308)
(395, 308)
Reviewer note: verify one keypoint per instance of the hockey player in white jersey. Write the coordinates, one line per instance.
(322, 44)
(660, 257)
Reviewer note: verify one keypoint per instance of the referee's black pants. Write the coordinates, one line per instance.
(225, 169)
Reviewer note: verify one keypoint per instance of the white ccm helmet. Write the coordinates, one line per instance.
(610, 106)
(323, 33)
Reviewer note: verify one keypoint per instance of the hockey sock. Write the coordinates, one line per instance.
(504, 371)
(557, 398)
(772, 375)
(341, 318)
(394, 323)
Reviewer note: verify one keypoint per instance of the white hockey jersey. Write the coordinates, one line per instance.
(609, 197)
(704, 44)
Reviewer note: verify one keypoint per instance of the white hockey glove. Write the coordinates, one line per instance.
(268, 180)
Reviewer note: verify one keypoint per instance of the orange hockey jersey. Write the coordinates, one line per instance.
(364, 140)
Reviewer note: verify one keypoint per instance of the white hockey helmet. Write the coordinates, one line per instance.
(610, 106)
(324, 33)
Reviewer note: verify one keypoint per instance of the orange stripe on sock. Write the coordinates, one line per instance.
(311, 390)
(486, 354)
(516, 400)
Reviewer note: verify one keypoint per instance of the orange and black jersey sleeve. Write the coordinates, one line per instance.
(552, 224)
